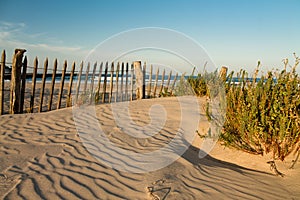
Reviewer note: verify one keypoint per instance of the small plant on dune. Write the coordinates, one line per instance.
(208, 84)
(264, 116)
(165, 93)
(183, 87)
(198, 84)
(98, 96)
(211, 86)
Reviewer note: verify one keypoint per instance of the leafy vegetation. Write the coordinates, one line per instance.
(262, 115)
(198, 84)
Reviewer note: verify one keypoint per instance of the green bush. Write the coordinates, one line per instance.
(183, 87)
(264, 116)
(198, 84)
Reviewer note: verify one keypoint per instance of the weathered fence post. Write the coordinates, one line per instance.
(92, 94)
(173, 84)
(155, 83)
(144, 81)
(2, 71)
(111, 82)
(34, 73)
(122, 79)
(52, 85)
(23, 86)
(223, 73)
(61, 89)
(117, 82)
(15, 90)
(168, 82)
(131, 82)
(69, 98)
(78, 83)
(126, 82)
(162, 83)
(93, 78)
(43, 85)
(139, 77)
(86, 78)
(97, 99)
(150, 81)
(104, 82)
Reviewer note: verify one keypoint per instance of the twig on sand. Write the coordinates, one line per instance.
(274, 168)
(294, 161)
(158, 191)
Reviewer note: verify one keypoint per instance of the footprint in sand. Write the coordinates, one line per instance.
(158, 191)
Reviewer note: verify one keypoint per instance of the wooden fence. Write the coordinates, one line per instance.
(21, 91)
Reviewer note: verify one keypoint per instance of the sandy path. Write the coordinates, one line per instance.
(42, 157)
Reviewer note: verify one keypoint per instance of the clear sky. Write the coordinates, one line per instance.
(234, 33)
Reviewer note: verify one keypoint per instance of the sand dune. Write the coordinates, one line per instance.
(42, 156)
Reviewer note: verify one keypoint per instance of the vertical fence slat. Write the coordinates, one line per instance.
(111, 82)
(138, 73)
(99, 83)
(173, 84)
(104, 83)
(182, 80)
(93, 77)
(15, 91)
(52, 85)
(2, 71)
(78, 82)
(69, 98)
(168, 81)
(132, 76)
(23, 85)
(162, 83)
(43, 85)
(126, 82)
(150, 82)
(155, 84)
(144, 81)
(12, 83)
(86, 79)
(61, 89)
(117, 82)
(35, 67)
(92, 84)
(223, 74)
(122, 79)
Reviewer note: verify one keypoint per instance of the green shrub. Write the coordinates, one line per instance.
(183, 87)
(198, 84)
(264, 116)
(165, 93)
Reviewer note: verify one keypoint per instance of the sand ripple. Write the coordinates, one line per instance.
(42, 157)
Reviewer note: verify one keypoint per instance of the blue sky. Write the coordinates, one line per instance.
(234, 33)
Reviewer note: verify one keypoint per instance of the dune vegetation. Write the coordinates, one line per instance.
(262, 113)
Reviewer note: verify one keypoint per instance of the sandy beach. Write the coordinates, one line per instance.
(42, 156)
